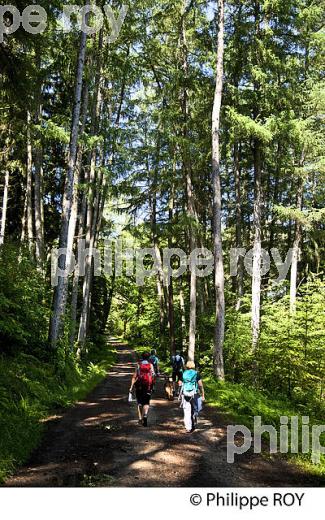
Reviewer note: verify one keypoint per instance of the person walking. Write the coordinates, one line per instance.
(177, 362)
(192, 395)
(154, 360)
(143, 381)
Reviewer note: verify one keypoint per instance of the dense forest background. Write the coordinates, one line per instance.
(105, 140)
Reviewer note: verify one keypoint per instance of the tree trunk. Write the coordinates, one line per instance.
(216, 186)
(295, 251)
(159, 278)
(183, 316)
(189, 184)
(38, 198)
(4, 207)
(29, 185)
(80, 218)
(93, 201)
(109, 300)
(257, 248)
(60, 292)
(257, 212)
(171, 311)
(239, 228)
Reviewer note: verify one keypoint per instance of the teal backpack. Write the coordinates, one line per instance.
(189, 383)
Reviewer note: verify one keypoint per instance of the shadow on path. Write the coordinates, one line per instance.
(98, 442)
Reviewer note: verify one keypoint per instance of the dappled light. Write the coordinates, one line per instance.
(99, 441)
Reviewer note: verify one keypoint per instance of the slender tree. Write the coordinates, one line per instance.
(216, 187)
(4, 206)
(68, 224)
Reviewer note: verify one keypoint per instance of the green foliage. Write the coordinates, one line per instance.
(241, 403)
(244, 126)
(24, 303)
(30, 392)
(289, 359)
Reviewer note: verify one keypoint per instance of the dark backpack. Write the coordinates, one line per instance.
(145, 378)
(178, 363)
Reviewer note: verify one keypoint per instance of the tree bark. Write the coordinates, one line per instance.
(38, 198)
(4, 207)
(60, 292)
(295, 251)
(257, 248)
(183, 316)
(170, 289)
(189, 184)
(159, 278)
(29, 185)
(216, 186)
(257, 212)
(93, 200)
(80, 218)
(239, 227)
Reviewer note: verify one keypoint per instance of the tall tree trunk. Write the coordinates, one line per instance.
(93, 200)
(189, 183)
(239, 227)
(183, 316)
(23, 222)
(109, 300)
(257, 248)
(159, 278)
(38, 197)
(60, 292)
(193, 278)
(295, 250)
(275, 200)
(80, 218)
(216, 186)
(171, 311)
(29, 185)
(257, 212)
(4, 206)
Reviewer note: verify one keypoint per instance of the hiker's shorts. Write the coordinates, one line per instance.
(143, 398)
(177, 375)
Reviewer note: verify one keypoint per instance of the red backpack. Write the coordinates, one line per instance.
(145, 378)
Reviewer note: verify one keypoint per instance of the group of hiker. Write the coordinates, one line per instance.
(186, 381)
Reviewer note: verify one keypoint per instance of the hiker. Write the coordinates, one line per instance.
(154, 360)
(143, 380)
(192, 395)
(178, 367)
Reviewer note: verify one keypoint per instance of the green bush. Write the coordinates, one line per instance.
(240, 404)
(24, 304)
(30, 390)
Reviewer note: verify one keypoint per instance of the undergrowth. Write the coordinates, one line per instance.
(240, 404)
(30, 391)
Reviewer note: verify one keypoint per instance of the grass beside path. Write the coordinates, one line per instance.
(241, 404)
(30, 391)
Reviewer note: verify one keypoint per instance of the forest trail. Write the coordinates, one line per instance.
(99, 443)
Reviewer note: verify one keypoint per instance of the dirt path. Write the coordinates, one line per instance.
(99, 443)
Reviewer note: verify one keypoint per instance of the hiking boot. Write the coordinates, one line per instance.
(145, 421)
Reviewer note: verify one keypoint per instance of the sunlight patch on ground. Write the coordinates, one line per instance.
(50, 418)
(144, 466)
